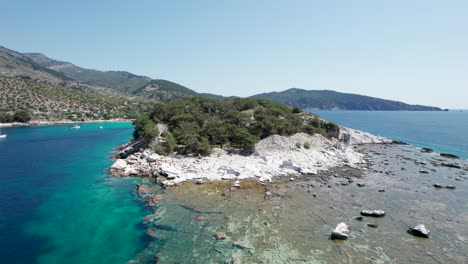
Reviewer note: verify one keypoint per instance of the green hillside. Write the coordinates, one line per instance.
(45, 101)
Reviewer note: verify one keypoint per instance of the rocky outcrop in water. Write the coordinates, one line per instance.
(373, 213)
(419, 231)
(341, 231)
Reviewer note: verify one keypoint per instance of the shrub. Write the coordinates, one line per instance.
(296, 110)
(306, 145)
(22, 116)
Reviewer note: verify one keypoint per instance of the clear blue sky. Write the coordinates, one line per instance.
(413, 51)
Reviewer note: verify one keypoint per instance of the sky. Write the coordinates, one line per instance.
(412, 51)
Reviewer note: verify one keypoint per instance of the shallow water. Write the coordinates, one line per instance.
(57, 204)
(293, 226)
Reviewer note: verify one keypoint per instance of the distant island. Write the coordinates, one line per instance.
(331, 100)
(36, 87)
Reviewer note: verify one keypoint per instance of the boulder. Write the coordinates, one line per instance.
(373, 213)
(153, 157)
(341, 231)
(119, 164)
(426, 150)
(236, 184)
(450, 187)
(168, 170)
(419, 231)
(436, 185)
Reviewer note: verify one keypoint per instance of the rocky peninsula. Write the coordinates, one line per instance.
(336, 197)
(273, 157)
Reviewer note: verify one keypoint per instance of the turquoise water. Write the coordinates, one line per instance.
(57, 204)
(441, 131)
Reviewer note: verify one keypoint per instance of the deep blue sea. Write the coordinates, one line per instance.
(57, 204)
(441, 131)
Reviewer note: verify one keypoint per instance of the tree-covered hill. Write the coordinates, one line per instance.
(331, 100)
(197, 124)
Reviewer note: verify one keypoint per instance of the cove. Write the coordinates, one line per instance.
(57, 204)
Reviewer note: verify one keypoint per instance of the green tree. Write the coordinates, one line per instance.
(22, 116)
(216, 132)
(145, 129)
(243, 140)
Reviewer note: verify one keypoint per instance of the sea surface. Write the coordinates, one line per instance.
(441, 131)
(57, 204)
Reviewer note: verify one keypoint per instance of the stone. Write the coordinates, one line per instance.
(359, 218)
(199, 181)
(423, 171)
(426, 150)
(451, 165)
(361, 184)
(450, 187)
(381, 190)
(372, 225)
(419, 231)
(373, 213)
(119, 164)
(153, 157)
(236, 184)
(436, 185)
(446, 155)
(341, 231)
(220, 236)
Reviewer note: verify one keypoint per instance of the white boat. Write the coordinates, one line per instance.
(2, 136)
(75, 127)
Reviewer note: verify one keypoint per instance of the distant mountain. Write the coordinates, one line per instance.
(331, 100)
(119, 80)
(142, 86)
(15, 64)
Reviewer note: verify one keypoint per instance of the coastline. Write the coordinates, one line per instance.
(60, 122)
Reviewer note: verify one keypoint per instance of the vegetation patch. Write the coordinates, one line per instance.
(197, 124)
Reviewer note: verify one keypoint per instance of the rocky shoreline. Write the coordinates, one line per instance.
(294, 199)
(275, 156)
(291, 220)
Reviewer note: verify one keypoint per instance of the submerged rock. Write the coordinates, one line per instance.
(220, 236)
(419, 231)
(341, 231)
(373, 213)
(450, 165)
(359, 218)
